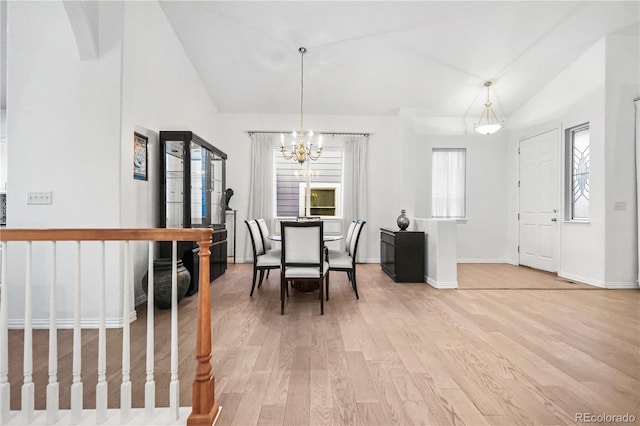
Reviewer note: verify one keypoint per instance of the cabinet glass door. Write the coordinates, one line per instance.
(217, 190)
(199, 205)
(174, 175)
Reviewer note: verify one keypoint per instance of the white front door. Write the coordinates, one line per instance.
(539, 200)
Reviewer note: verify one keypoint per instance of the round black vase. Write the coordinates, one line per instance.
(403, 220)
(162, 282)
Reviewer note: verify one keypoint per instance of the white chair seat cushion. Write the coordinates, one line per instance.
(268, 259)
(304, 272)
(340, 259)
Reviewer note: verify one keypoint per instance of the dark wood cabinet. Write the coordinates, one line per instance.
(192, 195)
(402, 254)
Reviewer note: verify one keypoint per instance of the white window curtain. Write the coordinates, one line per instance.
(637, 103)
(355, 185)
(448, 183)
(261, 182)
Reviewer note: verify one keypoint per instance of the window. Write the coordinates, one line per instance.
(578, 162)
(324, 199)
(323, 177)
(448, 183)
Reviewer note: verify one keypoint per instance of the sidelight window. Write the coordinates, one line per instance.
(578, 162)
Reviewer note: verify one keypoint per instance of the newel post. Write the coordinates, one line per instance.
(204, 408)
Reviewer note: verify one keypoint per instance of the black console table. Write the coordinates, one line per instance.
(402, 254)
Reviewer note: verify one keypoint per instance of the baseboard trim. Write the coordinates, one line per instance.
(581, 279)
(141, 299)
(92, 323)
(613, 285)
(475, 260)
(441, 285)
(622, 286)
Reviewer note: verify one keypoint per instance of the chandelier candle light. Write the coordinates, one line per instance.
(301, 150)
(488, 122)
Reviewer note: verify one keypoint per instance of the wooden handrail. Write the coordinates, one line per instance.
(106, 234)
(204, 408)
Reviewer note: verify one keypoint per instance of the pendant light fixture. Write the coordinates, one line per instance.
(301, 144)
(488, 122)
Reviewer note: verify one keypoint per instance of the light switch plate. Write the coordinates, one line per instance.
(40, 197)
(620, 206)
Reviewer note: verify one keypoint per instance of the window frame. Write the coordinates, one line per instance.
(320, 185)
(569, 176)
(464, 216)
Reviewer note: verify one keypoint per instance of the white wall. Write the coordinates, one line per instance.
(597, 88)
(63, 133)
(622, 71)
(482, 236)
(160, 91)
(70, 129)
(574, 97)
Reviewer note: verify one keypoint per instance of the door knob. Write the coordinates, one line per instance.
(553, 219)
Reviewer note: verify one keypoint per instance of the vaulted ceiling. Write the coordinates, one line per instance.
(377, 57)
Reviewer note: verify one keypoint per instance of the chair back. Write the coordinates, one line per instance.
(256, 237)
(355, 238)
(302, 244)
(264, 231)
(347, 240)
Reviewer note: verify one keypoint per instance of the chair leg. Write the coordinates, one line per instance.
(268, 270)
(253, 284)
(355, 285)
(327, 287)
(282, 284)
(261, 278)
(321, 297)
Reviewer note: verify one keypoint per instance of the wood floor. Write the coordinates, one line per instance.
(404, 353)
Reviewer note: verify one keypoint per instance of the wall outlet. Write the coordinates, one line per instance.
(41, 197)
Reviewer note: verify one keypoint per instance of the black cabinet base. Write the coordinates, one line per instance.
(402, 255)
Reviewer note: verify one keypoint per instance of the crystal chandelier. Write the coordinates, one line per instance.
(301, 140)
(488, 122)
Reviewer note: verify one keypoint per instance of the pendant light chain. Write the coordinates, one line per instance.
(302, 51)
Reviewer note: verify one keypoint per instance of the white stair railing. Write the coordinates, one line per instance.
(204, 408)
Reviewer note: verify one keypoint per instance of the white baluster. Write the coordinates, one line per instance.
(150, 385)
(102, 386)
(125, 387)
(4, 340)
(27, 386)
(53, 392)
(76, 371)
(174, 385)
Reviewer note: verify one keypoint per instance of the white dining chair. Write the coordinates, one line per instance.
(262, 260)
(345, 261)
(302, 257)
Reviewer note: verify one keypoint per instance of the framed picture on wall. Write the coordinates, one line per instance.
(140, 156)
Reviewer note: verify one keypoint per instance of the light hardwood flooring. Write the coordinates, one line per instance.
(402, 354)
(510, 277)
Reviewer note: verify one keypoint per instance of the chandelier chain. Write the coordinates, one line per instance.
(302, 52)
